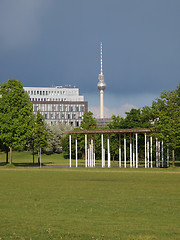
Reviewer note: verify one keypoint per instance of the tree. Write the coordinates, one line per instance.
(40, 135)
(88, 121)
(166, 118)
(56, 132)
(16, 115)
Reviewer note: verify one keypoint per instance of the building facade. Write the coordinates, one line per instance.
(58, 104)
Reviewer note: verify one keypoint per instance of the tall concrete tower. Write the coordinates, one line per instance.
(101, 86)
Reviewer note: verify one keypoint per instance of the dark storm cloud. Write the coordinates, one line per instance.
(44, 43)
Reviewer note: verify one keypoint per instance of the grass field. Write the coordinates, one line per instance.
(26, 159)
(63, 203)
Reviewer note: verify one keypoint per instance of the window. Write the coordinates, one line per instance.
(71, 108)
(45, 116)
(69, 116)
(77, 108)
(60, 108)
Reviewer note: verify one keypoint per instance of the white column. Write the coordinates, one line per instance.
(120, 150)
(92, 153)
(145, 151)
(108, 148)
(88, 145)
(102, 149)
(86, 150)
(76, 152)
(136, 150)
(133, 152)
(156, 152)
(88, 156)
(148, 151)
(162, 157)
(124, 150)
(130, 151)
(151, 151)
(159, 154)
(70, 150)
(104, 157)
(167, 157)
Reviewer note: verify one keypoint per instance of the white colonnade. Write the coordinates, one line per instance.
(131, 157)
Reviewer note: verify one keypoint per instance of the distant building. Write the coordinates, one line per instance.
(58, 104)
(102, 122)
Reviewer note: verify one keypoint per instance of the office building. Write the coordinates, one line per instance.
(58, 104)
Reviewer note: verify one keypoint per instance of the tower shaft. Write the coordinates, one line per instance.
(101, 86)
(101, 104)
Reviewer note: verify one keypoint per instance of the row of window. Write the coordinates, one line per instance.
(47, 99)
(59, 108)
(54, 99)
(37, 92)
(59, 116)
(74, 123)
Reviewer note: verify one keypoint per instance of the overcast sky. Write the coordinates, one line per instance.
(57, 42)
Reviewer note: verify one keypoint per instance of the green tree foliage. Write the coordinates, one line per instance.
(135, 118)
(40, 135)
(16, 115)
(56, 132)
(166, 118)
(88, 121)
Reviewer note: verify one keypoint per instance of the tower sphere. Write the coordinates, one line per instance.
(101, 85)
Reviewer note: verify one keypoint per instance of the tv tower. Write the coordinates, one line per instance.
(101, 86)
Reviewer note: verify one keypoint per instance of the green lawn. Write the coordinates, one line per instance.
(26, 159)
(63, 203)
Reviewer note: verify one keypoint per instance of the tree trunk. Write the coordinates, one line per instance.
(38, 157)
(10, 155)
(33, 151)
(173, 159)
(7, 155)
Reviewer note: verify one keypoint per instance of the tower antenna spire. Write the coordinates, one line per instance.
(101, 59)
(101, 86)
